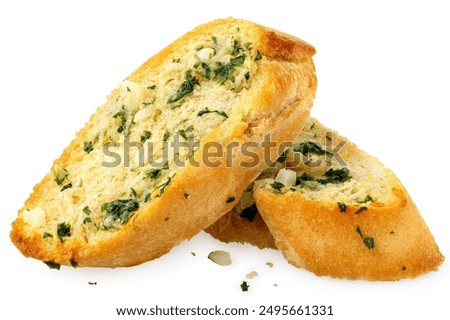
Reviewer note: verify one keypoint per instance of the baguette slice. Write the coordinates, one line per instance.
(360, 224)
(122, 193)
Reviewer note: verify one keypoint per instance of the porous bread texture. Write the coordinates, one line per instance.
(228, 80)
(362, 225)
(368, 178)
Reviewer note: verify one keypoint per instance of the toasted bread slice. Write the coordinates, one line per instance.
(336, 211)
(123, 193)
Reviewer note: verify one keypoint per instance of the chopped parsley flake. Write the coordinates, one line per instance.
(203, 69)
(61, 176)
(67, 186)
(88, 146)
(145, 136)
(73, 263)
(118, 212)
(244, 286)
(237, 49)
(164, 185)
(303, 178)
(53, 265)
(277, 185)
(182, 133)
(361, 209)
(87, 220)
(186, 87)
(368, 241)
(335, 176)
(86, 210)
(206, 110)
(47, 235)
(63, 230)
(367, 199)
(282, 157)
(153, 173)
(307, 147)
(166, 136)
(258, 56)
(342, 207)
(123, 121)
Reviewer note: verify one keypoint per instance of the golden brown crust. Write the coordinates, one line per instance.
(280, 107)
(312, 233)
(234, 228)
(317, 236)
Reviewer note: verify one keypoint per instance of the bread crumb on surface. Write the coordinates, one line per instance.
(220, 257)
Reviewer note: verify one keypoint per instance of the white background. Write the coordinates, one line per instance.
(383, 70)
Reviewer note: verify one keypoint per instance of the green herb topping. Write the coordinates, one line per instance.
(361, 209)
(47, 235)
(203, 69)
(282, 157)
(303, 178)
(145, 136)
(164, 185)
(331, 176)
(122, 116)
(183, 134)
(166, 136)
(67, 186)
(335, 176)
(367, 199)
(73, 263)
(206, 110)
(118, 212)
(277, 186)
(186, 87)
(63, 230)
(307, 147)
(88, 146)
(86, 210)
(87, 220)
(153, 173)
(342, 207)
(258, 56)
(60, 176)
(53, 265)
(244, 286)
(368, 241)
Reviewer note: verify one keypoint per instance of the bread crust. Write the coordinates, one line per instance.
(313, 233)
(317, 236)
(231, 227)
(280, 107)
